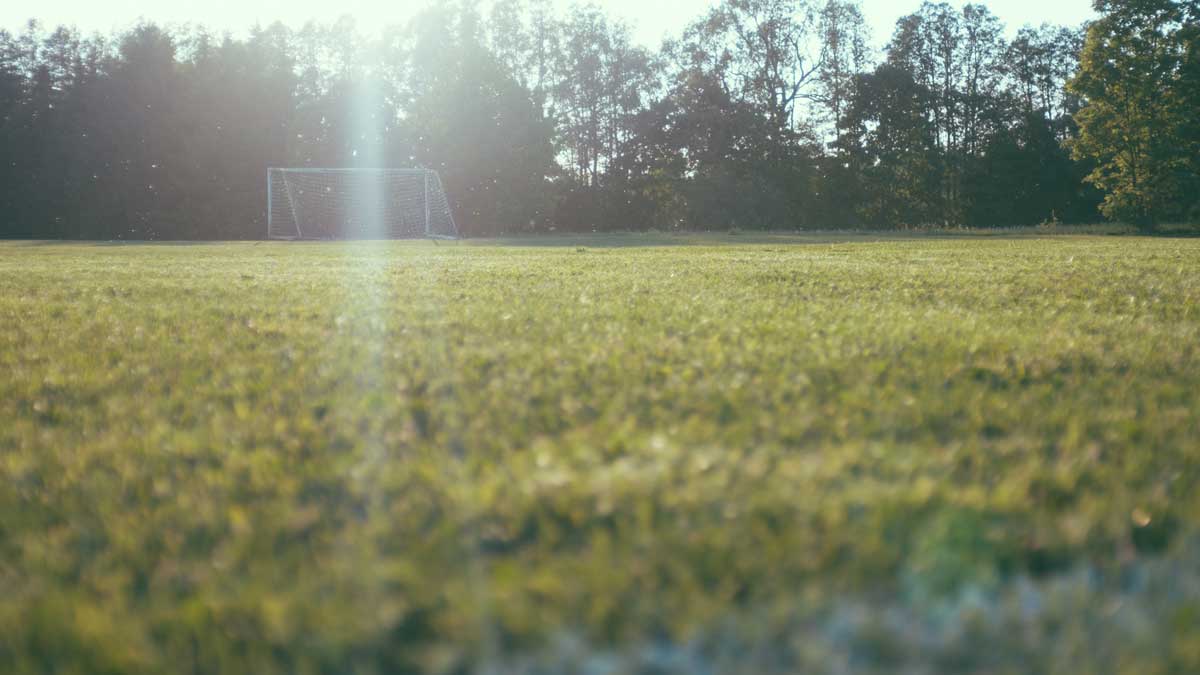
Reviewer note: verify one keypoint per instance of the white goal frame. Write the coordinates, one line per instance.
(433, 219)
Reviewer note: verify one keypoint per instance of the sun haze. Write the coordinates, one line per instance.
(651, 21)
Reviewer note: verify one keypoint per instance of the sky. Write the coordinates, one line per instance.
(651, 19)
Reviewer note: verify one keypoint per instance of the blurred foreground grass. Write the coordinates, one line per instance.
(402, 457)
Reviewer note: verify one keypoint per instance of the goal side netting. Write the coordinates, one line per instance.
(357, 204)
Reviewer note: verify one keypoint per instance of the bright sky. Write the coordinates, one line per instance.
(652, 19)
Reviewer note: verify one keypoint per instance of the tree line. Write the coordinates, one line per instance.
(760, 114)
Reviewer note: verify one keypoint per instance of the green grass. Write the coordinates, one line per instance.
(406, 457)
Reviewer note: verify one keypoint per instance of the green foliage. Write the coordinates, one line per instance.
(893, 146)
(1139, 74)
(760, 114)
(414, 458)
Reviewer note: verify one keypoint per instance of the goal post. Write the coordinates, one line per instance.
(308, 203)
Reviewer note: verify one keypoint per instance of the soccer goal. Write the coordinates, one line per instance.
(357, 204)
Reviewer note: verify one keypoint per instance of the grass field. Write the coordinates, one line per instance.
(689, 454)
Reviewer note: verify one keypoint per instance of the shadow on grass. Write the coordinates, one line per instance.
(29, 243)
(696, 238)
(650, 239)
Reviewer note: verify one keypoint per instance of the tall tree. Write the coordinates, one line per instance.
(769, 52)
(892, 144)
(471, 119)
(1038, 64)
(844, 54)
(609, 81)
(146, 178)
(1138, 77)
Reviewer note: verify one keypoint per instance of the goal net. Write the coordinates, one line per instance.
(357, 204)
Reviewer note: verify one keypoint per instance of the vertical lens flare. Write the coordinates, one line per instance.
(374, 264)
(365, 147)
(363, 331)
(368, 278)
